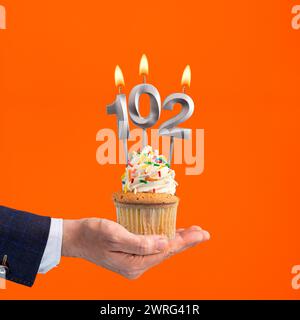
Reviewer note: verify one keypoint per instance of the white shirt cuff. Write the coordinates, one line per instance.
(52, 253)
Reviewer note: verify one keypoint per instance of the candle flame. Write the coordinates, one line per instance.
(119, 79)
(186, 77)
(144, 65)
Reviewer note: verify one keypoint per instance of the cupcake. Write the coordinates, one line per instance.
(147, 203)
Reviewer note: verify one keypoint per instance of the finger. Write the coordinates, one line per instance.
(191, 228)
(140, 244)
(189, 237)
(195, 228)
(183, 240)
(119, 239)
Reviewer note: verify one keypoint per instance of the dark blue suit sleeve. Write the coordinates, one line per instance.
(23, 238)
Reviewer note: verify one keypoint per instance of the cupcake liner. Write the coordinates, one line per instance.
(148, 219)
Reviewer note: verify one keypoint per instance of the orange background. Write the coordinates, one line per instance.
(57, 60)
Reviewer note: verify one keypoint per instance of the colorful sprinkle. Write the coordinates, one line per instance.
(150, 179)
(146, 167)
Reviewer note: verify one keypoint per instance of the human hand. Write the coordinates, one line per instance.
(110, 245)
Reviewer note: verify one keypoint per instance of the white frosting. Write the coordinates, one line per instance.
(147, 171)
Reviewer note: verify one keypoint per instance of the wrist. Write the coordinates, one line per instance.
(71, 243)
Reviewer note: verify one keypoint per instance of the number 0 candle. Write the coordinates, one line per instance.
(134, 102)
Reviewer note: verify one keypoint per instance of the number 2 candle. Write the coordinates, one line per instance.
(168, 128)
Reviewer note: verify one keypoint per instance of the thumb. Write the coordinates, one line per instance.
(142, 245)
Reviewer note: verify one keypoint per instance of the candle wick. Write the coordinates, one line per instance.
(144, 78)
(183, 89)
(120, 89)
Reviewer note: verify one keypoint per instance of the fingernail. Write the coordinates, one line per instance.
(196, 228)
(206, 235)
(161, 244)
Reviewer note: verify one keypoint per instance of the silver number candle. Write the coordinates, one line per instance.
(134, 102)
(119, 108)
(168, 128)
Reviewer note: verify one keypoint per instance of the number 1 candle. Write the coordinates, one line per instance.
(119, 108)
